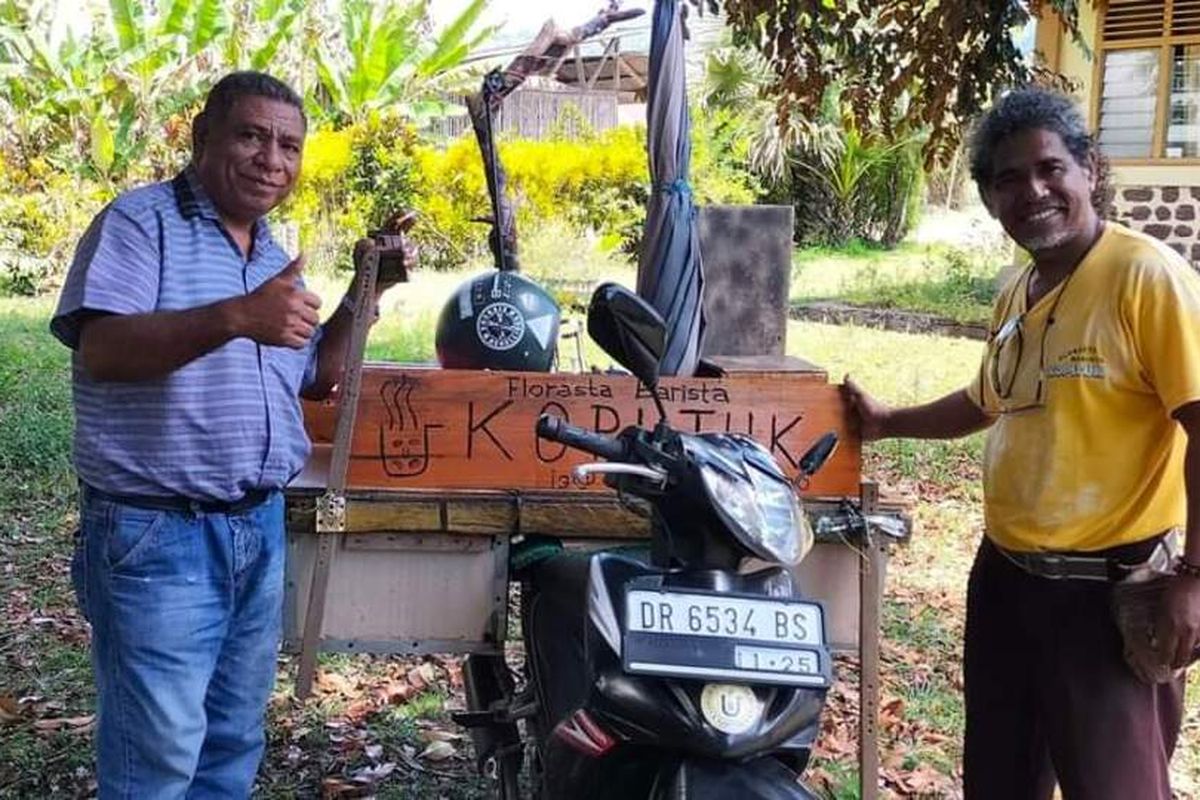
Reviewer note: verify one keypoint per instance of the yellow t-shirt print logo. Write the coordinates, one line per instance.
(1079, 362)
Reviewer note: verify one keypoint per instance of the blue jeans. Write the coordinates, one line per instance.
(186, 617)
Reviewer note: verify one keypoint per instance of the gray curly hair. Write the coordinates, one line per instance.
(1038, 108)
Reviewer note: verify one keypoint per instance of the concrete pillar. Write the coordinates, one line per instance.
(747, 252)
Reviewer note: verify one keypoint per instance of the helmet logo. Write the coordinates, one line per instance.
(500, 326)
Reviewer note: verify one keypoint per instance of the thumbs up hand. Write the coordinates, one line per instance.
(281, 312)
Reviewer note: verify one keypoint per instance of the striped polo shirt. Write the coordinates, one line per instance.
(223, 424)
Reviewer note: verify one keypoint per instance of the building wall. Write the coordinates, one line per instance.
(1163, 201)
(1060, 53)
(1160, 198)
(1077, 64)
(1170, 213)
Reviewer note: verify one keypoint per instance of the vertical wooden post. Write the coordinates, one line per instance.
(870, 580)
(331, 506)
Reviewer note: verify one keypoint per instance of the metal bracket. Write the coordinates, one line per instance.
(331, 512)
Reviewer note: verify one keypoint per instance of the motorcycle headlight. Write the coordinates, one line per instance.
(786, 531)
(762, 512)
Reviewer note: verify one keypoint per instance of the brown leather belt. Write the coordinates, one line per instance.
(1109, 565)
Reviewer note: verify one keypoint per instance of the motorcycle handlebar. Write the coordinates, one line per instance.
(559, 430)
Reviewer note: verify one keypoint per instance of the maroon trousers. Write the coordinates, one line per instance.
(1048, 694)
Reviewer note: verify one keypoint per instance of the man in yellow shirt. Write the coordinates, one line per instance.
(1090, 389)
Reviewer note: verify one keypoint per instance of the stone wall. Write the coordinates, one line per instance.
(1169, 213)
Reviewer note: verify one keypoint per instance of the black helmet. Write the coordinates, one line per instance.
(498, 320)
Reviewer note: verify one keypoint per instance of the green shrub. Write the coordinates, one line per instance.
(720, 160)
(846, 186)
(42, 215)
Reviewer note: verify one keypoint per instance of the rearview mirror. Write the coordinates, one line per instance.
(629, 330)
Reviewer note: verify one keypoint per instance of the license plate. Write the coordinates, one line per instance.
(773, 621)
(710, 636)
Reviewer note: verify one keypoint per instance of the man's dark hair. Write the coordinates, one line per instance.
(1036, 108)
(248, 84)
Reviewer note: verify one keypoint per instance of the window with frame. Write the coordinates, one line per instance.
(1148, 63)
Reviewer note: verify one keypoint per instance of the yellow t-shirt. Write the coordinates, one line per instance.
(1091, 458)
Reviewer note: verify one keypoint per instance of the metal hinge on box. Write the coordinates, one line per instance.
(331, 512)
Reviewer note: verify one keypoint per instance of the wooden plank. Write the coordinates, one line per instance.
(582, 516)
(368, 516)
(435, 429)
(575, 519)
(301, 515)
(481, 516)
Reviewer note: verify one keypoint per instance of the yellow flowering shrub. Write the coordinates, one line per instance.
(327, 156)
(597, 183)
(41, 219)
(591, 189)
(350, 181)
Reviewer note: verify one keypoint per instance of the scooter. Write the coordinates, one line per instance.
(697, 669)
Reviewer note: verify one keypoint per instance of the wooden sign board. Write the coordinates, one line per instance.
(426, 429)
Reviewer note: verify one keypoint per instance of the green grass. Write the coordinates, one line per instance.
(842, 777)
(932, 278)
(35, 419)
(827, 271)
(898, 369)
(927, 684)
(43, 650)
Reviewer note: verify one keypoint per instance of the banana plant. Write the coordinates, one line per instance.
(260, 32)
(49, 90)
(156, 56)
(103, 93)
(383, 57)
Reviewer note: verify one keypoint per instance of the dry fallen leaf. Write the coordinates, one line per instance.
(395, 692)
(339, 787)
(10, 709)
(438, 751)
(330, 682)
(438, 735)
(77, 724)
(359, 709)
(422, 676)
(375, 774)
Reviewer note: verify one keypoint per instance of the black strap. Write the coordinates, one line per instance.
(184, 505)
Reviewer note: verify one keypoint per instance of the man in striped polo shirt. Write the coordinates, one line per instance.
(193, 337)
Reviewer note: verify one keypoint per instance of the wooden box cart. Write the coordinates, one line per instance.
(399, 527)
(443, 469)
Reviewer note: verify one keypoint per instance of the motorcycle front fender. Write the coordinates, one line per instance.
(762, 779)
